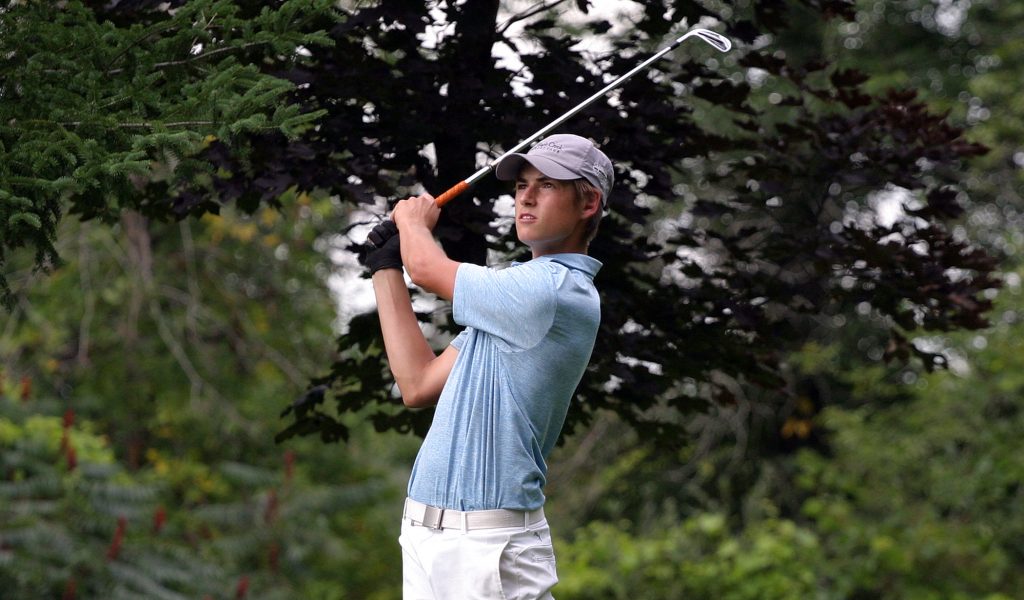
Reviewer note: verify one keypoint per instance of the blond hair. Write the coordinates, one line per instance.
(583, 189)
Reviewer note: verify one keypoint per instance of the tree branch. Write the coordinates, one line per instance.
(192, 304)
(88, 299)
(205, 55)
(145, 125)
(543, 6)
(162, 28)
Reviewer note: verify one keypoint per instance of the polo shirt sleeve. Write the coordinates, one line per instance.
(517, 305)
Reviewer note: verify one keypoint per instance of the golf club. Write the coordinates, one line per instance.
(717, 41)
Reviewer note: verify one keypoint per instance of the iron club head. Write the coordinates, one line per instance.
(716, 40)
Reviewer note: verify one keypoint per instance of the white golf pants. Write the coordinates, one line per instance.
(509, 563)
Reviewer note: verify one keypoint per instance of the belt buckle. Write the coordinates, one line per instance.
(433, 517)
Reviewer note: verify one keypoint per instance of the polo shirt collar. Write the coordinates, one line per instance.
(578, 262)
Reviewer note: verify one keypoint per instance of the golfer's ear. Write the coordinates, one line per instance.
(592, 204)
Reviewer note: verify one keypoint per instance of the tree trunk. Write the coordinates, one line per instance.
(467, 62)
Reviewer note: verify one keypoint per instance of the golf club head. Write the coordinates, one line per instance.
(718, 41)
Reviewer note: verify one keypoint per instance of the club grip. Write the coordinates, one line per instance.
(454, 191)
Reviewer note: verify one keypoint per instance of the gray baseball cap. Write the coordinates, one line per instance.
(563, 156)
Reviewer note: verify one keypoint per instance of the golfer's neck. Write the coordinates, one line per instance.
(539, 251)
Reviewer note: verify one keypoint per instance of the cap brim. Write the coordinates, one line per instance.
(509, 167)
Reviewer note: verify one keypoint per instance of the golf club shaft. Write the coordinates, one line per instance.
(719, 42)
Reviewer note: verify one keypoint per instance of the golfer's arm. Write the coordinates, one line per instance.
(420, 373)
(427, 264)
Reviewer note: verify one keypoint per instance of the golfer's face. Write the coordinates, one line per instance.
(547, 214)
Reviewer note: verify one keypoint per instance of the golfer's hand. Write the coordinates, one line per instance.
(416, 211)
(386, 251)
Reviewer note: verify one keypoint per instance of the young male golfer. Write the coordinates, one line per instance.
(473, 525)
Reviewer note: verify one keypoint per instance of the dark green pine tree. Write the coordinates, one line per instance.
(97, 100)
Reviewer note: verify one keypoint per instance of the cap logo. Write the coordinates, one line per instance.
(549, 146)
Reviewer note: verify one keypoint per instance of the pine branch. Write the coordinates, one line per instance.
(158, 29)
(197, 57)
(144, 125)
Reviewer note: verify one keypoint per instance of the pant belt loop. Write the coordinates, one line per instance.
(526, 519)
(465, 522)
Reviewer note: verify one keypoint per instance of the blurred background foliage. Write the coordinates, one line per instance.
(142, 379)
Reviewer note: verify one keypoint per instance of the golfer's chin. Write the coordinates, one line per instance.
(528, 236)
(541, 246)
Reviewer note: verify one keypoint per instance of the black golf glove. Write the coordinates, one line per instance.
(386, 252)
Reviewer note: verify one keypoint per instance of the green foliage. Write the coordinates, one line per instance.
(74, 521)
(90, 110)
(698, 558)
(201, 327)
(69, 511)
(917, 499)
(965, 58)
(924, 499)
(175, 344)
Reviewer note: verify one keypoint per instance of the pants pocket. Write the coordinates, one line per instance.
(527, 567)
(415, 578)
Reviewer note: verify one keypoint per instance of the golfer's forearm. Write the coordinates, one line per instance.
(407, 349)
(428, 266)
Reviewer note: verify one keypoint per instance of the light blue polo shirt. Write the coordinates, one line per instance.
(530, 330)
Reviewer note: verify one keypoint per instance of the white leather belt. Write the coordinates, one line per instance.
(441, 518)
